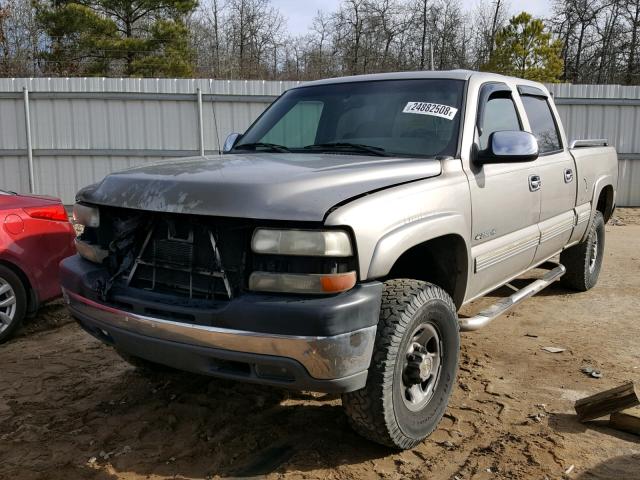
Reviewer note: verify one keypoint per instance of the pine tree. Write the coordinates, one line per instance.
(117, 37)
(524, 49)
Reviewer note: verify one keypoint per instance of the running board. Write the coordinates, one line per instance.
(487, 315)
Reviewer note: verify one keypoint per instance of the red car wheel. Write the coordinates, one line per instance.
(13, 303)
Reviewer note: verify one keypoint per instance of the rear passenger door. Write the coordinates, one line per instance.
(556, 168)
(505, 207)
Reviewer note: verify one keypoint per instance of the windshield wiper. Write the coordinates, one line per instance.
(358, 147)
(272, 146)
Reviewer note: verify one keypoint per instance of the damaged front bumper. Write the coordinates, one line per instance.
(329, 357)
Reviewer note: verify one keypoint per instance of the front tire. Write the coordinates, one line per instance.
(413, 368)
(584, 261)
(13, 303)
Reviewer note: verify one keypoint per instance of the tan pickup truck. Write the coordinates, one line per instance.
(333, 243)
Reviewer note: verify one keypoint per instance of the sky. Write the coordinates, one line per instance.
(300, 13)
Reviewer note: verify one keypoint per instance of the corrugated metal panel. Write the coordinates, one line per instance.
(628, 182)
(567, 90)
(14, 174)
(66, 174)
(146, 85)
(618, 124)
(120, 122)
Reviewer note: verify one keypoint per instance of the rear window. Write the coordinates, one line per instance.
(543, 125)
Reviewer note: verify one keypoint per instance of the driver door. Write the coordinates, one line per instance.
(505, 199)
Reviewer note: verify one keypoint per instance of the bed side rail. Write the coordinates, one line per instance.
(591, 142)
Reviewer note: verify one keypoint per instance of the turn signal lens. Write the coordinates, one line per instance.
(302, 283)
(49, 212)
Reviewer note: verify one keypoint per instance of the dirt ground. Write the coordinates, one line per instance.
(70, 408)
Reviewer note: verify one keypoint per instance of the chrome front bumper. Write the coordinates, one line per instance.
(324, 358)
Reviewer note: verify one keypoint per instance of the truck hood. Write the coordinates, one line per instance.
(272, 186)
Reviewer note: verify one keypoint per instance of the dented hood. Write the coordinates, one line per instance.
(272, 186)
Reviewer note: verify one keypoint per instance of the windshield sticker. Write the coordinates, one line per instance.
(433, 109)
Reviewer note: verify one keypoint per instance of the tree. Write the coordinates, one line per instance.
(109, 37)
(19, 39)
(525, 49)
(632, 9)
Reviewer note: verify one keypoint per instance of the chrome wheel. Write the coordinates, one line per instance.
(593, 254)
(421, 367)
(8, 306)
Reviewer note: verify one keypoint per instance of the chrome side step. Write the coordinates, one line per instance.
(487, 315)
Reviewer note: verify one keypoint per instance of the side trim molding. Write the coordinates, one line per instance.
(490, 259)
(557, 229)
(583, 216)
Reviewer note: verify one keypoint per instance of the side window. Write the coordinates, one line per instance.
(499, 114)
(543, 125)
(298, 127)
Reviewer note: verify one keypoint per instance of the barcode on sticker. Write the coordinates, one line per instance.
(434, 109)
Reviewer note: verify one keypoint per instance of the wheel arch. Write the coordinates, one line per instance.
(605, 202)
(433, 251)
(32, 296)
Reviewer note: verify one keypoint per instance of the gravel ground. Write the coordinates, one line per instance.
(70, 408)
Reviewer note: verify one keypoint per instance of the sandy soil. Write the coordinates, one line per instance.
(70, 408)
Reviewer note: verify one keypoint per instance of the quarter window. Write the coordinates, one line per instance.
(542, 123)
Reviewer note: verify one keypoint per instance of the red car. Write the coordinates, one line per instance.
(35, 235)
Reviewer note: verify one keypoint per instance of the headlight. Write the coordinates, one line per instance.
(86, 215)
(314, 243)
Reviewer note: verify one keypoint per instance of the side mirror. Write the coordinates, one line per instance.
(230, 142)
(510, 146)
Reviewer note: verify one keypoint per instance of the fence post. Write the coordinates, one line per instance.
(27, 118)
(200, 123)
(215, 119)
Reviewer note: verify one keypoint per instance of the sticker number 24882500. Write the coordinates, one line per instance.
(434, 109)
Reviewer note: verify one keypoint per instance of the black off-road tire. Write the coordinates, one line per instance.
(20, 295)
(582, 270)
(378, 411)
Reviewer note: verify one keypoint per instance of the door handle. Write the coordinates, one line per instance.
(534, 183)
(568, 175)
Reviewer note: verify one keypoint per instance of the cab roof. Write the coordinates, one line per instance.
(437, 74)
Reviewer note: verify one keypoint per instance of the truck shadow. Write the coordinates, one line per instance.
(569, 423)
(191, 426)
(625, 467)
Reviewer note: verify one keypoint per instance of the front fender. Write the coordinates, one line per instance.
(388, 223)
(392, 245)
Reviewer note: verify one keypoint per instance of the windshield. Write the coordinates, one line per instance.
(392, 117)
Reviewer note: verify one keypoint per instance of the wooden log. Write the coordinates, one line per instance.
(626, 420)
(605, 403)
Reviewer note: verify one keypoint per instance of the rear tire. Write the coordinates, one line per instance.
(13, 303)
(584, 261)
(413, 368)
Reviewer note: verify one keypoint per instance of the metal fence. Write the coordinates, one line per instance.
(60, 134)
